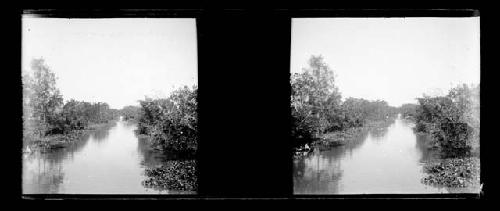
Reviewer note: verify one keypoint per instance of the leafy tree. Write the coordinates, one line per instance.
(130, 112)
(315, 100)
(317, 105)
(408, 110)
(172, 123)
(45, 98)
(452, 120)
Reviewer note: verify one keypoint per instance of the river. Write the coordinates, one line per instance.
(106, 161)
(383, 161)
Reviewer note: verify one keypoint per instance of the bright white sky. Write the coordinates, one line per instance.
(393, 59)
(117, 61)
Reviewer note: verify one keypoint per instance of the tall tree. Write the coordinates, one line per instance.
(315, 99)
(45, 98)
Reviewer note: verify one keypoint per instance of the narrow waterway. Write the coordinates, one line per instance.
(382, 161)
(106, 161)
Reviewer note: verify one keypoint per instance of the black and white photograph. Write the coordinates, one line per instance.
(385, 105)
(249, 104)
(109, 105)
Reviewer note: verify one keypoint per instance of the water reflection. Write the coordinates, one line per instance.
(107, 161)
(45, 173)
(100, 135)
(151, 158)
(316, 174)
(422, 143)
(320, 172)
(383, 160)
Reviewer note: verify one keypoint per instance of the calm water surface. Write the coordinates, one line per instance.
(385, 160)
(107, 161)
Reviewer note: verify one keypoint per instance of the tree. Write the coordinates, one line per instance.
(315, 100)
(408, 110)
(45, 98)
(130, 112)
(452, 120)
(172, 123)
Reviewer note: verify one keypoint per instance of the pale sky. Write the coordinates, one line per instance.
(393, 59)
(117, 61)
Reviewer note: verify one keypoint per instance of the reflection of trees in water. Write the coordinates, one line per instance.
(378, 133)
(317, 173)
(350, 146)
(45, 176)
(321, 171)
(151, 158)
(69, 150)
(423, 144)
(100, 135)
(45, 173)
(407, 123)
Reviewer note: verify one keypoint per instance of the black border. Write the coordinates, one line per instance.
(240, 31)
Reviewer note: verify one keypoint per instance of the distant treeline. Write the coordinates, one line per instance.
(45, 113)
(452, 120)
(408, 111)
(317, 105)
(130, 113)
(171, 123)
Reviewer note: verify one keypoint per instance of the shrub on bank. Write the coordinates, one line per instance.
(44, 112)
(452, 120)
(173, 175)
(172, 123)
(457, 172)
(317, 106)
(130, 113)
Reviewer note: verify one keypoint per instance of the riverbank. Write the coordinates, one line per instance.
(457, 169)
(176, 175)
(337, 138)
(342, 137)
(453, 173)
(62, 140)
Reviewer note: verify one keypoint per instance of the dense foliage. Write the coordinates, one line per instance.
(408, 110)
(130, 112)
(178, 175)
(77, 115)
(317, 105)
(44, 112)
(452, 120)
(461, 172)
(171, 122)
(41, 96)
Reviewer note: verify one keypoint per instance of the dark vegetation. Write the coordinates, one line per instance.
(408, 111)
(320, 118)
(178, 175)
(461, 172)
(171, 125)
(48, 121)
(320, 115)
(453, 123)
(451, 120)
(130, 113)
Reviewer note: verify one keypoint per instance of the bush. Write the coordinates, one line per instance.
(171, 123)
(130, 112)
(450, 119)
(317, 106)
